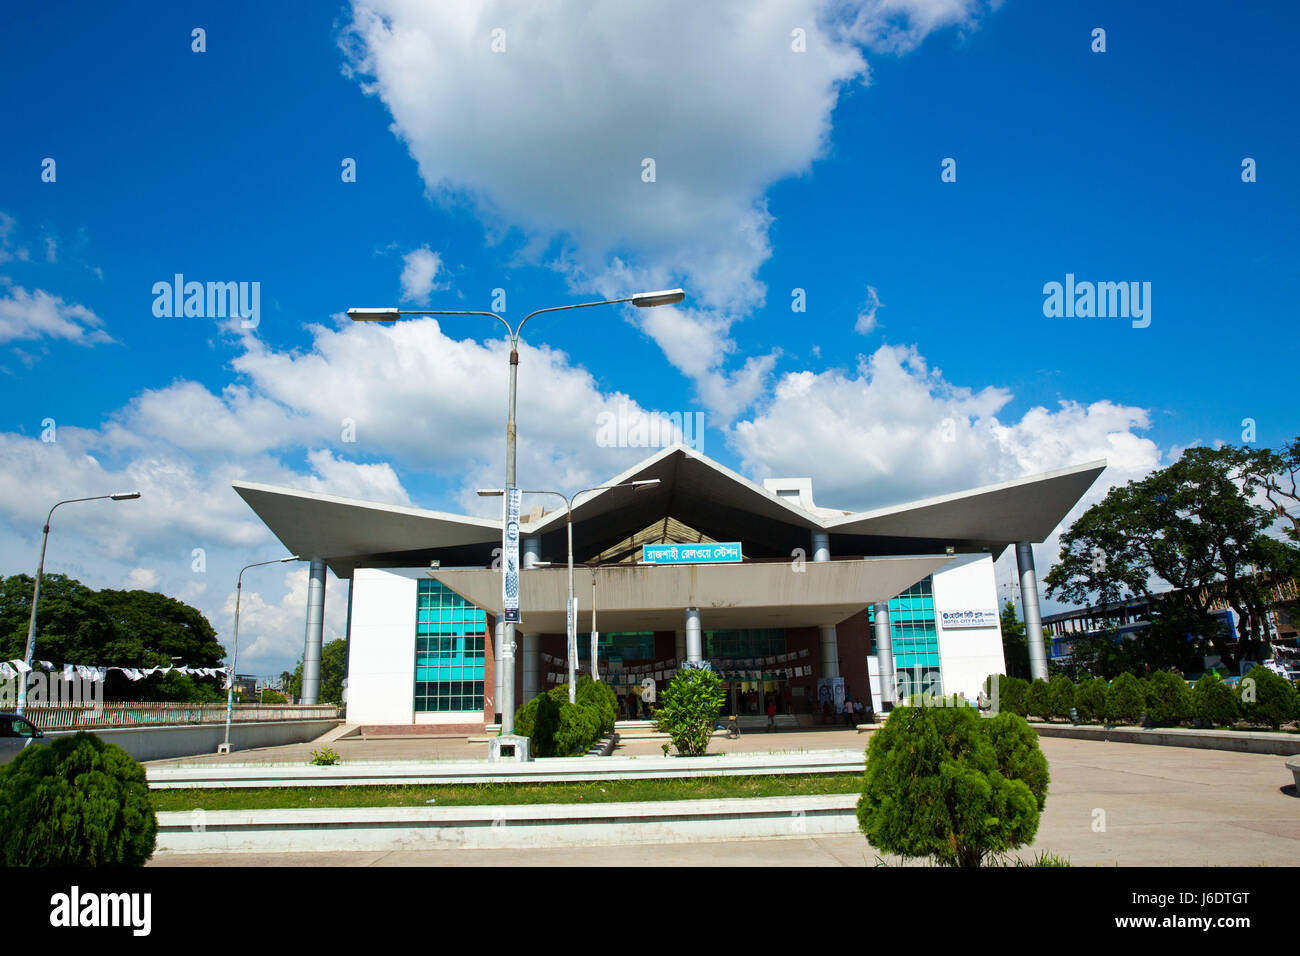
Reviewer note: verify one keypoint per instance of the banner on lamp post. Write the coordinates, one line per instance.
(510, 557)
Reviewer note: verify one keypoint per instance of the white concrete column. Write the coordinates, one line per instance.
(532, 643)
(830, 645)
(1029, 607)
(681, 646)
(532, 666)
(694, 636)
(315, 632)
(885, 655)
(498, 640)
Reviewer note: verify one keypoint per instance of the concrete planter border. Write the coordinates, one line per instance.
(1250, 741)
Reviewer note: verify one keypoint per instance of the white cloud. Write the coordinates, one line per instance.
(420, 271)
(38, 314)
(866, 320)
(713, 93)
(142, 579)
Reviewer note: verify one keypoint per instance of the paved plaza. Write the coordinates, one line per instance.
(1109, 804)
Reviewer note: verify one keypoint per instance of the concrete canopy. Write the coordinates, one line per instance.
(698, 492)
(654, 598)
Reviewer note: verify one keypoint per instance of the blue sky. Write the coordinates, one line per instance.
(522, 170)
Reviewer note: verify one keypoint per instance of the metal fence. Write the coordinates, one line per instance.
(91, 716)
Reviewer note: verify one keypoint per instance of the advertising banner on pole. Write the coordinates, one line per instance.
(510, 557)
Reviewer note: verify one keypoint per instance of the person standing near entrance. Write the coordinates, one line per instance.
(848, 712)
(771, 714)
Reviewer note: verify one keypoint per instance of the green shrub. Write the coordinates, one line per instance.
(933, 787)
(1168, 700)
(1267, 698)
(1125, 700)
(1090, 700)
(324, 757)
(1060, 698)
(78, 802)
(1036, 700)
(1015, 745)
(1214, 702)
(557, 728)
(601, 696)
(1010, 696)
(690, 708)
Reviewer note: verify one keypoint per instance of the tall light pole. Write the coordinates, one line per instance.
(642, 300)
(36, 590)
(571, 627)
(234, 648)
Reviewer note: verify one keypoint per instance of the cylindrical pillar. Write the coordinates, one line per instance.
(885, 656)
(830, 651)
(315, 632)
(694, 636)
(532, 666)
(532, 643)
(830, 645)
(498, 672)
(1029, 607)
(681, 646)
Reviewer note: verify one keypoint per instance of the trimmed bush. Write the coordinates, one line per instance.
(1267, 698)
(77, 802)
(691, 705)
(1036, 700)
(557, 728)
(1015, 744)
(934, 787)
(1010, 696)
(1214, 702)
(1168, 700)
(1125, 700)
(1060, 697)
(1090, 701)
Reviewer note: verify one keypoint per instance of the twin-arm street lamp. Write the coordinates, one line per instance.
(572, 626)
(643, 300)
(36, 591)
(234, 649)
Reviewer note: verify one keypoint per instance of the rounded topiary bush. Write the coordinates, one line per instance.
(1015, 745)
(1090, 700)
(1060, 698)
(601, 696)
(1036, 700)
(77, 802)
(1267, 698)
(1126, 700)
(1214, 702)
(1168, 700)
(934, 786)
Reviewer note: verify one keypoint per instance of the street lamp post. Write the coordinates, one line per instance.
(642, 300)
(234, 648)
(572, 618)
(36, 590)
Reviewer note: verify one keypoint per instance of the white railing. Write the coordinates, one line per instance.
(160, 714)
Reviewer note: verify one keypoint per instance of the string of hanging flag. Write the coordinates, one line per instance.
(87, 672)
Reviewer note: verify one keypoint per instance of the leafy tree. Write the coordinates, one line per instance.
(1193, 528)
(691, 705)
(1015, 649)
(78, 625)
(1008, 693)
(1126, 700)
(333, 665)
(1214, 702)
(77, 802)
(269, 696)
(934, 787)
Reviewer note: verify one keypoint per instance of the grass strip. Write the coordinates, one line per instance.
(487, 794)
